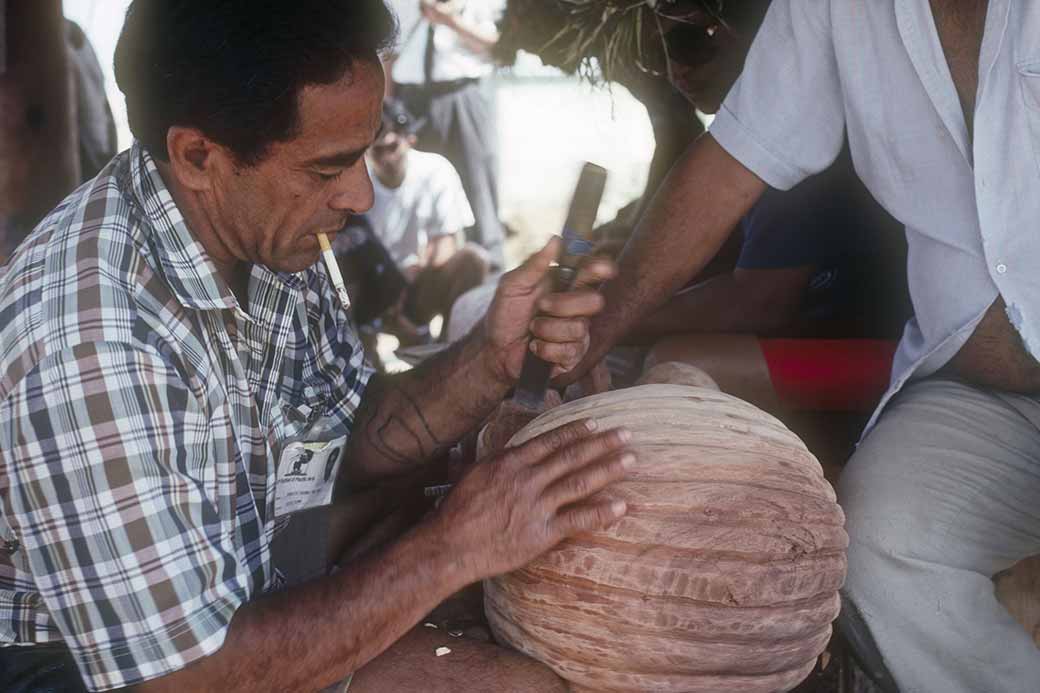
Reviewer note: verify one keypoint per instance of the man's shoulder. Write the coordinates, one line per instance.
(75, 277)
(429, 163)
(432, 171)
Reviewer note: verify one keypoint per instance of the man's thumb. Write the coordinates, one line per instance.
(528, 275)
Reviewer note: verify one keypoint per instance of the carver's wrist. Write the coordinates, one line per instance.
(491, 360)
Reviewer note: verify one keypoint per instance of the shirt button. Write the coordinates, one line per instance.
(1001, 268)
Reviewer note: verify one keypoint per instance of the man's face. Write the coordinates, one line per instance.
(390, 150)
(704, 58)
(273, 211)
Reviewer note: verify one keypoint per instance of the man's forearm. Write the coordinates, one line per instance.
(754, 301)
(440, 250)
(309, 637)
(702, 199)
(408, 418)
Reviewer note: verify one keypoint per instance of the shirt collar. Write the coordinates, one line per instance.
(189, 271)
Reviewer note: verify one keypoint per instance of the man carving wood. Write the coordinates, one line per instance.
(171, 349)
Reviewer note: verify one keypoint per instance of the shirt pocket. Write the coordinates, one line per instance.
(1029, 78)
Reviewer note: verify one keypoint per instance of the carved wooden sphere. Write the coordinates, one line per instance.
(724, 574)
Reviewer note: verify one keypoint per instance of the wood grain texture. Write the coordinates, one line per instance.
(724, 574)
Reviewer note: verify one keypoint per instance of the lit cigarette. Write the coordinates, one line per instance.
(333, 267)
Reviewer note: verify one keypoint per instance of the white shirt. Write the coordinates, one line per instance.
(428, 204)
(876, 69)
(452, 59)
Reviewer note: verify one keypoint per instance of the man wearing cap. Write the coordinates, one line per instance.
(940, 102)
(418, 213)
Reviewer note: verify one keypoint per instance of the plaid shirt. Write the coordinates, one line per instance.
(140, 409)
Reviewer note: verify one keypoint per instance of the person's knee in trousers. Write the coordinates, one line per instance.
(880, 535)
(474, 263)
(876, 542)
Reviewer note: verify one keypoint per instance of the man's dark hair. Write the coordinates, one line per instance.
(234, 68)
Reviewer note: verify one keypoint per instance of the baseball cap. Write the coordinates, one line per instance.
(399, 119)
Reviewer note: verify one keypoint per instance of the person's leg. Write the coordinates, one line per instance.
(734, 361)
(436, 288)
(462, 129)
(940, 496)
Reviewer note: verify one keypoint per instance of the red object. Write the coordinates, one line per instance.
(829, 374)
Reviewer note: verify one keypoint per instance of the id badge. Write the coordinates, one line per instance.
(307, 474)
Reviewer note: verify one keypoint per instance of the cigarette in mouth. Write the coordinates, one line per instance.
(333, 268)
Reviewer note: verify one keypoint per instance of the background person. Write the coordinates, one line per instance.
(808, 315)
(439, 73)
(941, 494)
(419, 211)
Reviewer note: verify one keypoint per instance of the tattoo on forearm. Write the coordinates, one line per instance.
(410, 417)
(395, 437)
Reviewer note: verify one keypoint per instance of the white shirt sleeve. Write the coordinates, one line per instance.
(784, 119)
(485, 14)
(452, 212)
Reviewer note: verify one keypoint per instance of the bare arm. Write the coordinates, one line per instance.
(314, 635)
(440, 249)
(408, 418)
(758, 301)
(499, 517)
(703, 198)
(477, 39)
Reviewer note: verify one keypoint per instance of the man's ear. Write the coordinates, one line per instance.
(194, 158)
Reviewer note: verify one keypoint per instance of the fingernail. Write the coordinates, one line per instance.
(628, 460)
(533, 347)
(591, 424)
(618, 507)
(624, 435)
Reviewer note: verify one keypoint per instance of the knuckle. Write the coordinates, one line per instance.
(581, 486)
(561, 436)
(570, 456)
(589, 519)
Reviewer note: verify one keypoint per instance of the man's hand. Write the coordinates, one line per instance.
(508, 511)
(479, 39)
(670, 244)
(524, 315)
(439, 12)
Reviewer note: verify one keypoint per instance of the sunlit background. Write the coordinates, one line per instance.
(548, 125)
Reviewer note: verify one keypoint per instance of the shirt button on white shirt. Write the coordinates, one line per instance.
(1001, 268)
